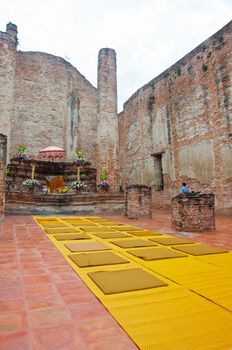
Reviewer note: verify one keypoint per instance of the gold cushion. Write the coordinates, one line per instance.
(200, 249)
(133, 243)
(70, 237)
(86, 246)
(112, 235)
(156, 253)
(96, 259)
(171, 240)
(118, 281)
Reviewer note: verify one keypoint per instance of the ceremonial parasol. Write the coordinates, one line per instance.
(52, 152)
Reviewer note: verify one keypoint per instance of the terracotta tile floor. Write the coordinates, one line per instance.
(44, 305)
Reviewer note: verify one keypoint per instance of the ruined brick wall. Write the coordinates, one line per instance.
(3, 154)
(53, 104)
(8, 43)
(178, 127)
(138, 202)
(193, 212)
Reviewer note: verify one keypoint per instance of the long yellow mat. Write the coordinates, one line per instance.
(175, 316)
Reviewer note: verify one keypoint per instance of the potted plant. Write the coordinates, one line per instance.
(80, 158)
(77, 186)
(104, 184)
(22, 153)
(30, 184)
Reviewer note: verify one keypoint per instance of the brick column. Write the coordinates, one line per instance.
(107, 123)
(3, 150)
(138, 202)
(193, 212)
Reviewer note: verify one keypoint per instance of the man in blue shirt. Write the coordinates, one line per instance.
(184, 189)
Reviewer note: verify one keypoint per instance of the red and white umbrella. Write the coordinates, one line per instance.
(52, 152)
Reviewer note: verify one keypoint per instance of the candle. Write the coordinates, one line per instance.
(78, 174)
(33, 172)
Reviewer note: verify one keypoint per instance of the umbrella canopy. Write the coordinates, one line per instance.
(52, 152)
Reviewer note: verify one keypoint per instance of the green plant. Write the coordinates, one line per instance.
(22, 150)
(103, 176)
(79, 155)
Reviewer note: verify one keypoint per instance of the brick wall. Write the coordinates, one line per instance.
(193, 212)
(3, 152)
(138, 202)
(184, 118)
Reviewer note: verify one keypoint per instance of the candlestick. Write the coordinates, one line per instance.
(33, 172)
(78, 174)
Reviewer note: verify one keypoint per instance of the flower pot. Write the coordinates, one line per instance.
(104, 189)
(30, 190)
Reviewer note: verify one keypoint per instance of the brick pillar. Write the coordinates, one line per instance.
(107, 123)
(138, 202)
(193, 212)
(3, 151)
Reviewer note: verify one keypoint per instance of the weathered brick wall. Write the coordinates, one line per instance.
(193, 212)
(138, 202)
(3, 154)
(107, 127)
(184, 118)
(49, 92)
(8, 43)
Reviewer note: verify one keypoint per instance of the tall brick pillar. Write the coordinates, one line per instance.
(193, 212)
(8, 45)
(107, 126)
(138, 202)
(3, 151)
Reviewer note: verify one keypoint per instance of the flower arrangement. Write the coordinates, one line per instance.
(104, 183)
(75, 185)
(29, 183)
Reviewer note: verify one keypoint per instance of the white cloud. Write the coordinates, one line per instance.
(148, 35)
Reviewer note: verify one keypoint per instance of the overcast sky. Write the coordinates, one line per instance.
(148, 35)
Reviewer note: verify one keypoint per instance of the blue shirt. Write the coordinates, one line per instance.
(184, 189)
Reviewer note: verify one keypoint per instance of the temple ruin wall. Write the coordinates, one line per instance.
(178, 127)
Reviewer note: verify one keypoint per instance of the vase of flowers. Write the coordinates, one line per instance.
(30, 184)
(104, 184)
(77, 186)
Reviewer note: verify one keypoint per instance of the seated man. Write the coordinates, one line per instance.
(184, 188)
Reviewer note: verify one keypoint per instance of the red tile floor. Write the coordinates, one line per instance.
(44, 305)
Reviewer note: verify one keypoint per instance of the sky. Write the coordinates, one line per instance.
(147, 35)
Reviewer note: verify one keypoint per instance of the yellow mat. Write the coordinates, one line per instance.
(97, 259)
(189, 313)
